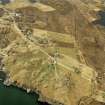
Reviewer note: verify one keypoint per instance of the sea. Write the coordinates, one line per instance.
(15, 96)
(101, 20)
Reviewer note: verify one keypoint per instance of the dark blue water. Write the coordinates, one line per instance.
(101, 21)
(14, 96)
(5, 1)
